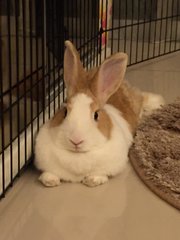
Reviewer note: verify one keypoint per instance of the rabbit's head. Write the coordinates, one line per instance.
(83, 124)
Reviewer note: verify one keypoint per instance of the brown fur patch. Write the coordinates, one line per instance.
(128, 100)
(104, 123)
(94, 107)
(87, 92)
(58, 118)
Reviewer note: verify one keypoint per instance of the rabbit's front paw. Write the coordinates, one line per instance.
(49, 179)
(93, 181)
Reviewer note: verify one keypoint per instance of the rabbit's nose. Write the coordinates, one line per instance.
(76, 142)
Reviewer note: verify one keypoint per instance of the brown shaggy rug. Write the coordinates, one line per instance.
(155, 154)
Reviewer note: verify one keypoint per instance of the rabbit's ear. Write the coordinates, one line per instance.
(109, 77)
(74, 73)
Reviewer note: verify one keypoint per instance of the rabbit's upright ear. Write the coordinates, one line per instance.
(109, 77)
(74, 73)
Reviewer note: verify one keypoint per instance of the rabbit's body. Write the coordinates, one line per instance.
(88, 140)
(107, 159)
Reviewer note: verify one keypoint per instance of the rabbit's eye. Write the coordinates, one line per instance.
(65, 112)
(96, 115)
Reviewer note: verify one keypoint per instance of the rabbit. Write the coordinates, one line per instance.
(88, 139)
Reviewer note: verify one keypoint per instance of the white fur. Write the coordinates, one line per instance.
(151, 102)
(97, 157)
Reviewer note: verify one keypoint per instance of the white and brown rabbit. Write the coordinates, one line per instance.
(89, 138)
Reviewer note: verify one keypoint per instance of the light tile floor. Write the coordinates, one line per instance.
(124, 208)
